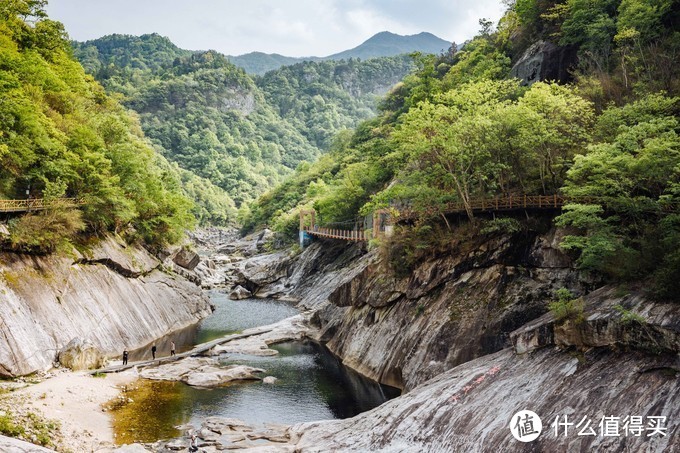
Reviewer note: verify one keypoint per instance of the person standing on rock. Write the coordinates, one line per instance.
(153, 351)
(193, 445)
(125, 356)
(172, 348)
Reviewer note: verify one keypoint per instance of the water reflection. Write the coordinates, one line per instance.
(230, 316)
(312, 383)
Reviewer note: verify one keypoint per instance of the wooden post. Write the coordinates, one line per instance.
(555, 198)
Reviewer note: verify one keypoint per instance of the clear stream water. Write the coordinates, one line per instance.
(312, 383)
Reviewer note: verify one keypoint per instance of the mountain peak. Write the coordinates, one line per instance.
(387, 44)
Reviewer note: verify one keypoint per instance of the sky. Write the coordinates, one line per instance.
(294, 28)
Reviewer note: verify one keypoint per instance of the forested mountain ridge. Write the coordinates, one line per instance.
(383, 44)
(62, 135)
(322, 98)
(215, 121)
(460, 127)
(386, 44)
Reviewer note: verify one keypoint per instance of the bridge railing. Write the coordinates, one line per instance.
(504, 203)
(332, 233)
(37, 204)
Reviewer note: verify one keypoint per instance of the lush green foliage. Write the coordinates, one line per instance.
(633, 227)
(320, 99)
(567, 308)
(210, 118)
(60, 134)
(455, 130)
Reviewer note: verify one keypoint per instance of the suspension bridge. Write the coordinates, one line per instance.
(383, 219)
(38, 204)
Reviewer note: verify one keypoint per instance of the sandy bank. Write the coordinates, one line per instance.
(74, 399)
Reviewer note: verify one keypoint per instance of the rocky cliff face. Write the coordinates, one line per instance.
(544, 60)
(471, 407)
(482, 347)
(115, 296)
(450, 309)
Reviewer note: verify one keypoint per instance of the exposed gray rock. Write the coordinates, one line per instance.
(239, 293)
(132, 448)
(47, 301)
(81, 354)
(177, 445)
(544, 60)
(262, 270)
(629, 321)
(201, 372)
(448, 310)
(470, 407)
(8, 444)
(220, 376)
(294, 328)
(186, 258)
(269, 380)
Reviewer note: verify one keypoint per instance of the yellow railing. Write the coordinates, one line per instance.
(37, 204)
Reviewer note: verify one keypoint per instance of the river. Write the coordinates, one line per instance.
(312, 383)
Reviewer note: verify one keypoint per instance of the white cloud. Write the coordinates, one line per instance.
(293, 27)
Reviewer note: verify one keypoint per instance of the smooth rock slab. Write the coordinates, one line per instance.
(201, 372)
(220, 376)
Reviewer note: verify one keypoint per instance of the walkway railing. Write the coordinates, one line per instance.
(496, 204)
(37, 204)
(347, 235)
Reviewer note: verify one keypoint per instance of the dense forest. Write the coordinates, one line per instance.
(61, 135)
(460, 127)
(241, 136)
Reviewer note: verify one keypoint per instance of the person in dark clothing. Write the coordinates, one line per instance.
(172, 348)
(125, 356)
(153, 351)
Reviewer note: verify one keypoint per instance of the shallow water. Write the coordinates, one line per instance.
(312, 383)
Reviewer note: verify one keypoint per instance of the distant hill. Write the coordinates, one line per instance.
(383, 44)
(386, 44)
(260, 62)
(233, 136)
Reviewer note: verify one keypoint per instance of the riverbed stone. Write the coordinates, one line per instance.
(201, 372)
(239, 292)
(131, 448)
(293, 328)
(81, 354)
(186, 258)
(177, 445)
(219, 376)
(269, 380)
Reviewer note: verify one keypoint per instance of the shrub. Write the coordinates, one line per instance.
(46, 231)
(566, 307)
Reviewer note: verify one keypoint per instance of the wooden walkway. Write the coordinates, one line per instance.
(477, 205)
(198, 349)
(37, 204)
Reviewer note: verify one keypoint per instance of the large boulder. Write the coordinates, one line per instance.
(544, 60)
(239, 293)
(81, 354)
(186, 258)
